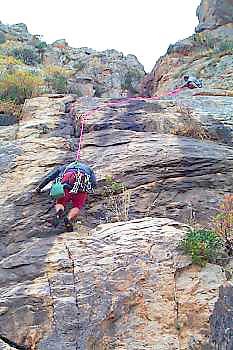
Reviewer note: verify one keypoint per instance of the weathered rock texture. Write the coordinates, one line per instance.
(141, 144)
(42, 140)
(214, 13)
(221, 320)
(207, 54)
(125, 286)
(107, 74)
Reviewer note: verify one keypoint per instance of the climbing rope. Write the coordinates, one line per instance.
(118, 102)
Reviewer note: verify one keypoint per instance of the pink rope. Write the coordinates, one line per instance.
(116, 103)
(80, 139)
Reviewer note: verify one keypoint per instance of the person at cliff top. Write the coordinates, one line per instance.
(71, 183)
(192, 82)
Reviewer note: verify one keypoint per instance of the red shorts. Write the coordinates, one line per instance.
(77, 199)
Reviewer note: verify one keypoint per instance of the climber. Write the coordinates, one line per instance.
(72, 183)
(192, 82)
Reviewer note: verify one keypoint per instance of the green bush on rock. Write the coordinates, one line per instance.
(58, 83)
(19, 85)
(8, 107)
(56, 79)
(202, 245)
(28, 55)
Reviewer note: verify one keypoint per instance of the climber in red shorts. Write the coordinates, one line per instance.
(77, 199)
(72, 183)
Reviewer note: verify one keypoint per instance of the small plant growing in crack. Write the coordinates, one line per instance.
(223, 222)
(118, 200)
(202, 245)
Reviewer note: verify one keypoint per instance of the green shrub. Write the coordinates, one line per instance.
(57, 83)
(79, 65)
(26, 54)
(19, 85)
(202, 245)
(211, 44)
(9, 61)
(2, 38)
(204, 40)
(10, 108)
(112, 185)
(56, 78)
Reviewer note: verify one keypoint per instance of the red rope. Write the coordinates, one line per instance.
(116, 103)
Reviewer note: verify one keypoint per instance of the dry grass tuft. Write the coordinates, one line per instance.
(190, 127)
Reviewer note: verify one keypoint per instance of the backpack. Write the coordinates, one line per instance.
(82, 183)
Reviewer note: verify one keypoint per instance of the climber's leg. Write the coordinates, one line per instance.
(59, 214)
(60, 208)
(78, 201)
(73, 214)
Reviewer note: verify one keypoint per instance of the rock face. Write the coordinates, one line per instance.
(207, 54)
(221, 320)
(214, 13)
(142, 145)
(44, 135)
(89, 73)
(122, 285)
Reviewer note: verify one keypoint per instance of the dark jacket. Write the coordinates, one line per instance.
(65, 168)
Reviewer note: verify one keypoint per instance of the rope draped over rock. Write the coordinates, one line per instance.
(87, 114)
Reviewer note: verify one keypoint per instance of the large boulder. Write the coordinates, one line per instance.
(144, 145)
(214, 13)
(124, 286)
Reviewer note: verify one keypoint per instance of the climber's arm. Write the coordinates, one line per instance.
(50, 177)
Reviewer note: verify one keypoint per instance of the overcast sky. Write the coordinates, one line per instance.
(143, 28)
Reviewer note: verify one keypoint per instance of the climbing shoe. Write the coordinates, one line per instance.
(58, 217)
(68, 224)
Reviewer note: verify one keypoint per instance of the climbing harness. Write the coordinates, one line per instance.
(83, 183)
(80, 183)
